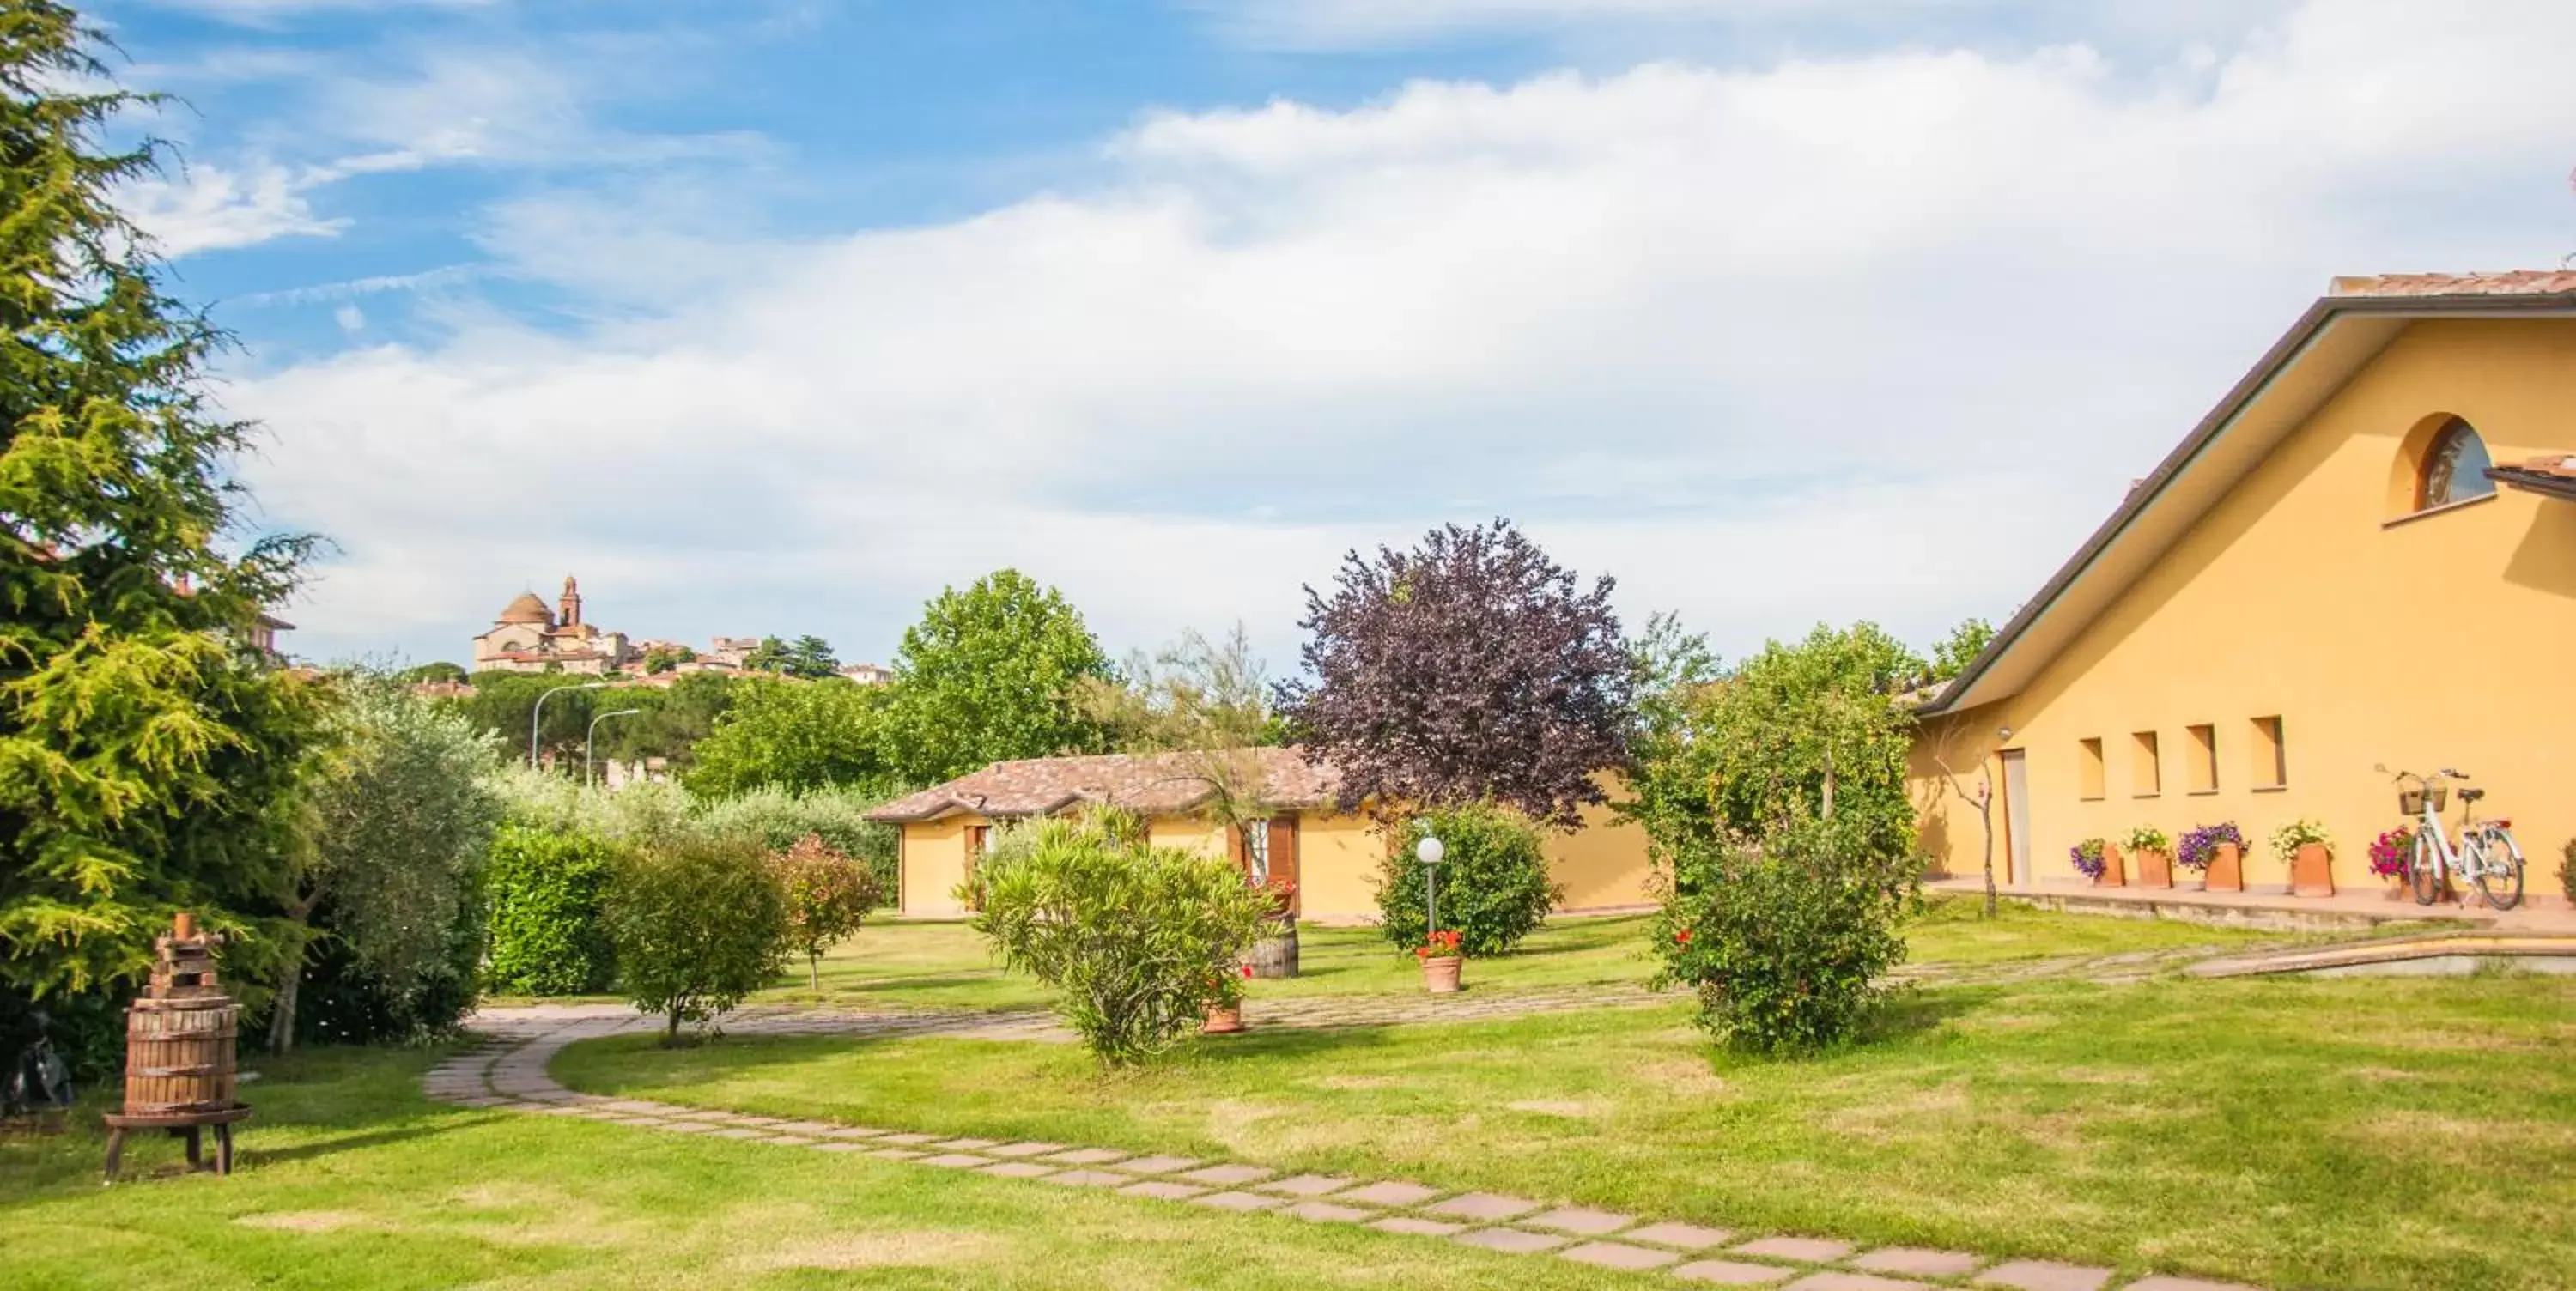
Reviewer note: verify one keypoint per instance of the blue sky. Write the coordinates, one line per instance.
(778, 317)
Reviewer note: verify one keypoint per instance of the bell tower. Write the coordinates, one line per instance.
(568, 611)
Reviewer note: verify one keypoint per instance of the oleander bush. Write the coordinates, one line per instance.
(1493, 886)
(544, 890)
(1786, 940)
(827, 894)
(1141, 941)
(698, 923)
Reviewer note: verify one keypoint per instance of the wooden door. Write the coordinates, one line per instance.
(1283, 860)
(2017, 817)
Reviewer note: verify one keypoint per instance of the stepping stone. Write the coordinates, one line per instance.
(1306, 1185)
(760, 1120)
(1619, 1255)
(1022, 1170)
(2045, 1275)
(907, 1140)
(812, 1129)
(1416, 1227)
(1920, 1261)
(831, 1146)
(1811, 1250)
(686, 1127)
(1391, 1193)
(1854, 1282)
(954, 1160)
(854, 1133)
(1229, 1175)
(2165, 1283)
(1157, 1165)
(736, 1132)
(899, 1154)
(1511, 1240)
(1586, 1223)
(966, 1145)
(1689, 1237)
(1087, 1179)
(1089, 1156)
(1731, 1273)
(1321, 1212)
(1483, 1205)
(701, 1114)
(1237, 1201)
(1025, 1149)
(1162, 1190)
(635, 1107)
(798, 1139)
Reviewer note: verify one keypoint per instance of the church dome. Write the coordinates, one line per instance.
(527, 609)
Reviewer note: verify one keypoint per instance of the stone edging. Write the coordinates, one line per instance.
(508, 1072)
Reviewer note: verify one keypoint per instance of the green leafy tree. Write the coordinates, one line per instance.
(776, 818)
(399, 816)
(698, 924)
(811, 658)
(662, 659)
(992, 672)
(436, 671)
(147, 755)
(1206, 700)
(1493, 883)
(769, 656)
(1140, 940)
(1952, 656)
(827, 894)
(794, 735)
(503, 701)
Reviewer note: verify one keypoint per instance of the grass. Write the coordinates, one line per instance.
(351, 1182)
(946, 965)
(2365, 1133)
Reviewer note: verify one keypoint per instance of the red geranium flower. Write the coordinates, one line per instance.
(1247, 972)
(1682, 936)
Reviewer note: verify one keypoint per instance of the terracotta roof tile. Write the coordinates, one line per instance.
(1150, 783)
(2514, 282)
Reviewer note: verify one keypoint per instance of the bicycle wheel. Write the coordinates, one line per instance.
(2427, 873)
(2497, 865)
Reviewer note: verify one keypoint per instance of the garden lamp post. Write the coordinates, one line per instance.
(539, 711)
(590, 738)
(1429, 852)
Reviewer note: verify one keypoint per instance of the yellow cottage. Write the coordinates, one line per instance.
(1331, 855)
(2365, 555)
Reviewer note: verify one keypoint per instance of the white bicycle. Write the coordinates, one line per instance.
(2486, 854)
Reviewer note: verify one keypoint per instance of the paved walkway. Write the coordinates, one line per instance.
(2542, 910)
(508, 1072)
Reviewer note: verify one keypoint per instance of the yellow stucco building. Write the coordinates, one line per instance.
(1332, 856)
(2364, 556)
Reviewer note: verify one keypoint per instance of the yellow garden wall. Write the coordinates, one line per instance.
(2440, 640)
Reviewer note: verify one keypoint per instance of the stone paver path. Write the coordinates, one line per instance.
(508, 1072)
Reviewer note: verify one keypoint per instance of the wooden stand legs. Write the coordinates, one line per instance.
(193, 1132)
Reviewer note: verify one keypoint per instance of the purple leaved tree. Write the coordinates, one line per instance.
(1471, 668)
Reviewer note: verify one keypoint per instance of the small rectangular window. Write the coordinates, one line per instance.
(2146, 768)
(2088, 767)
(2271, 757)
(2204, 758)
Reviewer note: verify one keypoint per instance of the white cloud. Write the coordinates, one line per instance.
(269, 13)
(1841, 337)
(213, 208)
(1329, 24)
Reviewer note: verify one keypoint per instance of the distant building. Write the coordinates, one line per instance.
(867, 674)
(528, 637)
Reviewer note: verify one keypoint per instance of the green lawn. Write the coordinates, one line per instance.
(946, 965)
(351, 1182)
(2356, 1133)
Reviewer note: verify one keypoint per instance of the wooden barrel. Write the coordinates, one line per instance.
(1275, 956)
(179, 1059)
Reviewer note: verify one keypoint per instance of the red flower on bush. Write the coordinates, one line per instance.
(1247, 972)
(1682, 936)
(1439, 945)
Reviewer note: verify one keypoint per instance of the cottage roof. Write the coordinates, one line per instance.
(2331, 343)
(1153, 784)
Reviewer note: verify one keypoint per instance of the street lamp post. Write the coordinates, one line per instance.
(1429, 852)
(590, 738)
(537, 713)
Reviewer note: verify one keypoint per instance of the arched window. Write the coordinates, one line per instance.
(2455, 468)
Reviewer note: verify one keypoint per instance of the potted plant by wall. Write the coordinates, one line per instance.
(1225, 1014)
(2304, 847)
(1440, 962)
(2218, 852)
(2392, 854)
(2098, 861)
(2155, 856)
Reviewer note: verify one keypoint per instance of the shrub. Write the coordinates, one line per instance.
(1493, 885)
(1141, 940)
(827, 895)
(698, 924)
(776, 818)
(2087, 856)
(2200, 846)
(1785, 941)
(544, 890)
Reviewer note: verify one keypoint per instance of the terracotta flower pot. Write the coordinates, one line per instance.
(2312, 871)
(2155, 869)
(1440, 974)
(2112, 874)
(2226, 871)
(1223, 1020)
(2397, 888)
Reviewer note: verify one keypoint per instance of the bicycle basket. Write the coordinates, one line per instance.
(2410, 802)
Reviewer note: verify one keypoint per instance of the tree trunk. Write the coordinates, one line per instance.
(814, 965)
(281, 1014)
(1986, 814)
(671, 1029)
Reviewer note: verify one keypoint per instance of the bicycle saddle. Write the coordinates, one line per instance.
(2472, 795)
